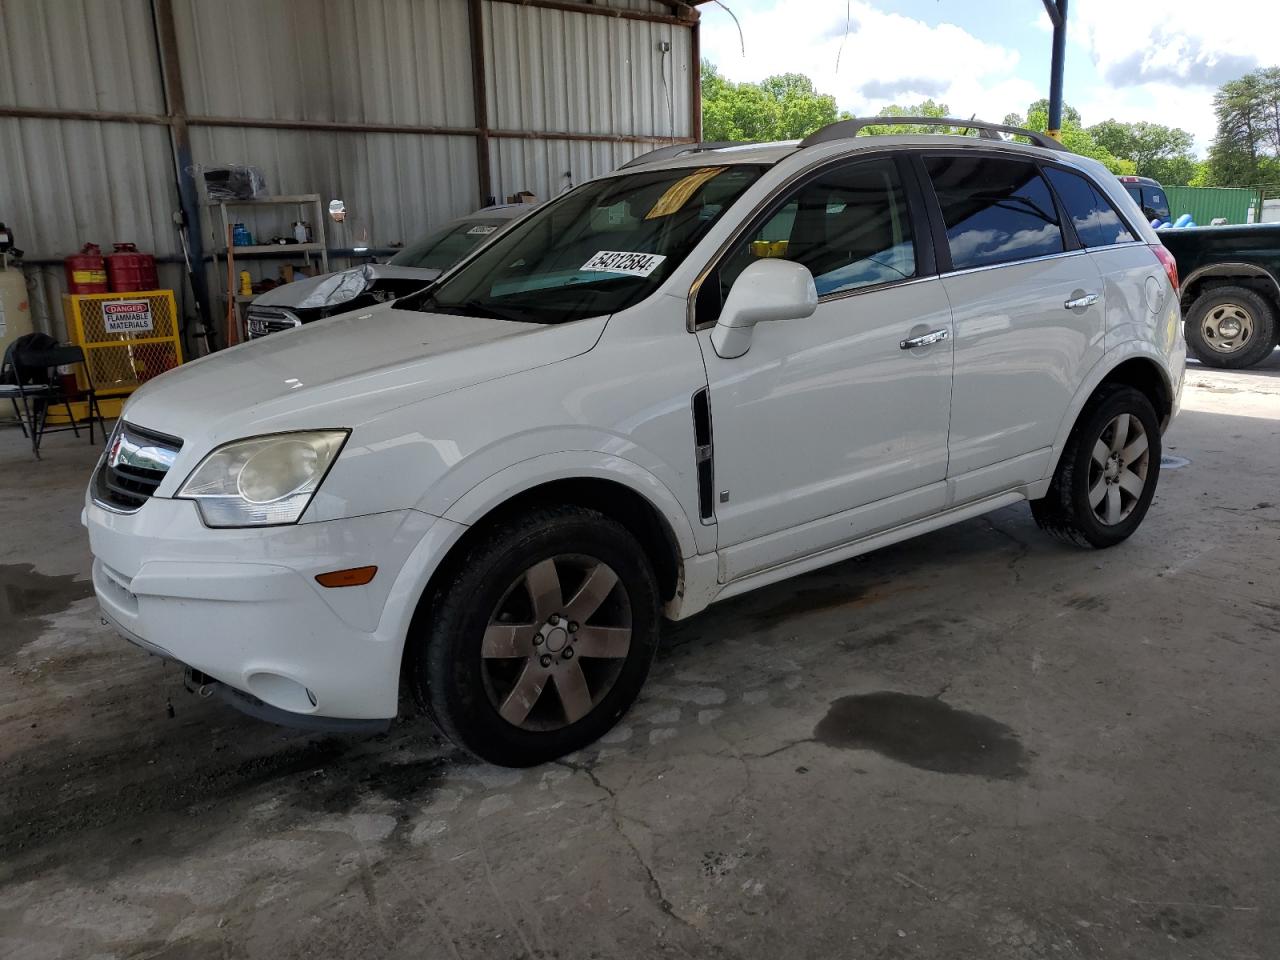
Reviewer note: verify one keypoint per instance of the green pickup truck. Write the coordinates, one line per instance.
(1230, 290)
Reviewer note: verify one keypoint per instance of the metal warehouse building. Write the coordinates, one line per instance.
(412, 111)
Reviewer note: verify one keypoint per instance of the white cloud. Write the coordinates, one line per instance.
(1163, 62)
(886, 57)
(1179, 42)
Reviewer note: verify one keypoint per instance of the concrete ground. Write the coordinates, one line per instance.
(981, 744)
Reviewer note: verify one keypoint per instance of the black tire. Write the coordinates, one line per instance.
(1258, 313)
(455, 683)
(1065, 511)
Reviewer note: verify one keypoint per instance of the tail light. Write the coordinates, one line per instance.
(1168, 262)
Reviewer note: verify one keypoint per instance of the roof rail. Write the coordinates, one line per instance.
(989, 131)
(679, 150)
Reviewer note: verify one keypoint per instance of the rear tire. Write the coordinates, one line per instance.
(539, 638)
(1231, 327)
(1108, 472)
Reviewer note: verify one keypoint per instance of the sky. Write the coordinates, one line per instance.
(1127, 59)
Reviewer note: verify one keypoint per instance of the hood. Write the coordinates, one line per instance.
(333, 289)
(345, 370)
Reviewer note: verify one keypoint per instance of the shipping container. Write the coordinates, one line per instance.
(1205, 204)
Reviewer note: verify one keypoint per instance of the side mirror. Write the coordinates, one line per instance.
(767, 290)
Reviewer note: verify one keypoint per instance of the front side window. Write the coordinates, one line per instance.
(850, 227)
(1096, 221)
(996, 210)
(446, 246)
(599, 249)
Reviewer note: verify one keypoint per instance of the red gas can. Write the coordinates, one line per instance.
(127, 269)
(86, 270)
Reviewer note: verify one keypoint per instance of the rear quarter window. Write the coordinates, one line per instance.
(996, 210)
(1096, 221)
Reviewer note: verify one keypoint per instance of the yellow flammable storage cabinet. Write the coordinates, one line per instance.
(127, 339)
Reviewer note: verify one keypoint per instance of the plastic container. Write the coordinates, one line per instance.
(129, 270)
(15, 312)
(240, 236)
(86, 271)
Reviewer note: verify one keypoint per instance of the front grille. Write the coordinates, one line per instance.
(265, 320)
(136, 461)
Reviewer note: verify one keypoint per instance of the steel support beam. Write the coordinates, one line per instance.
(183, 168)
(480, 99)
(104, 116)
(695, 81)
(1057, 65)
(617, 13)
(96, 116)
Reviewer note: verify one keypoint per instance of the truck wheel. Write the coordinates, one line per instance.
(539, 639)
(1108, 472)
(1231, 327)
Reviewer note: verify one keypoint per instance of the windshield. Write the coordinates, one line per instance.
(448, 245)
(596, 250)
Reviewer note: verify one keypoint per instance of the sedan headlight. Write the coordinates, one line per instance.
(262, 481)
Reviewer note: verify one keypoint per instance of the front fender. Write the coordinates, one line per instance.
(574, 465)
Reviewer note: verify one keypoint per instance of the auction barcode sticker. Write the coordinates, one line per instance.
(481, 230)
(620, 261)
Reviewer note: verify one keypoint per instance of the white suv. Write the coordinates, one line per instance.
(706, 372)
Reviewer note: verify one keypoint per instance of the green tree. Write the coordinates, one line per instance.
(1246, 149)
(784, 107)
(928, 108)
(1164, 153)
(1074, 136)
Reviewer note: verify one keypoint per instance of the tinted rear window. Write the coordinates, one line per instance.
(1096, 221)
(996, 210)
(1153, 199)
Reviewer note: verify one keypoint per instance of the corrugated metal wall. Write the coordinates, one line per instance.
(247, 64)
(1235, 204)
(66, 181)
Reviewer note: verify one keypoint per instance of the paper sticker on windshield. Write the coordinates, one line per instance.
(619, 261)
(481, 230)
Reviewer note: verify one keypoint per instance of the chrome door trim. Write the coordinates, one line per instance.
(1078, 303)
(925, 339)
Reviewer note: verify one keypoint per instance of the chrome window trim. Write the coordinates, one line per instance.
(870, 288)
(1061, 254)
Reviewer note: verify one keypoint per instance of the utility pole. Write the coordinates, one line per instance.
(1057, 10)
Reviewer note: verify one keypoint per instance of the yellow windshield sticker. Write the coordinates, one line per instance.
(678, 193)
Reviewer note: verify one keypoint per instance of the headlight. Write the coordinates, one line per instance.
(263, 480)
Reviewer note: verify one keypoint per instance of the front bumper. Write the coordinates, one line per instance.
(243, 606)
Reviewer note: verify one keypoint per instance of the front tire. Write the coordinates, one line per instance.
(1108, 472)
(1231, 327)
(540, 637)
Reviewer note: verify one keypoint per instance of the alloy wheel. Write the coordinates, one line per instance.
(1118, 469)
(556, 642)
(1227, 327)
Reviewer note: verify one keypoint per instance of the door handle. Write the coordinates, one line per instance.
(1078, 303)
(925, 339)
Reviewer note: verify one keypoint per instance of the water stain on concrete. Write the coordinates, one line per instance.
(923, 732)
(28, 597)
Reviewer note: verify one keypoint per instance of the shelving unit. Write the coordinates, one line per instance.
(308, 209)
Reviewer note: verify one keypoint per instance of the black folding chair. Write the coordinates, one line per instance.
(13, 388)
(30, 375)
